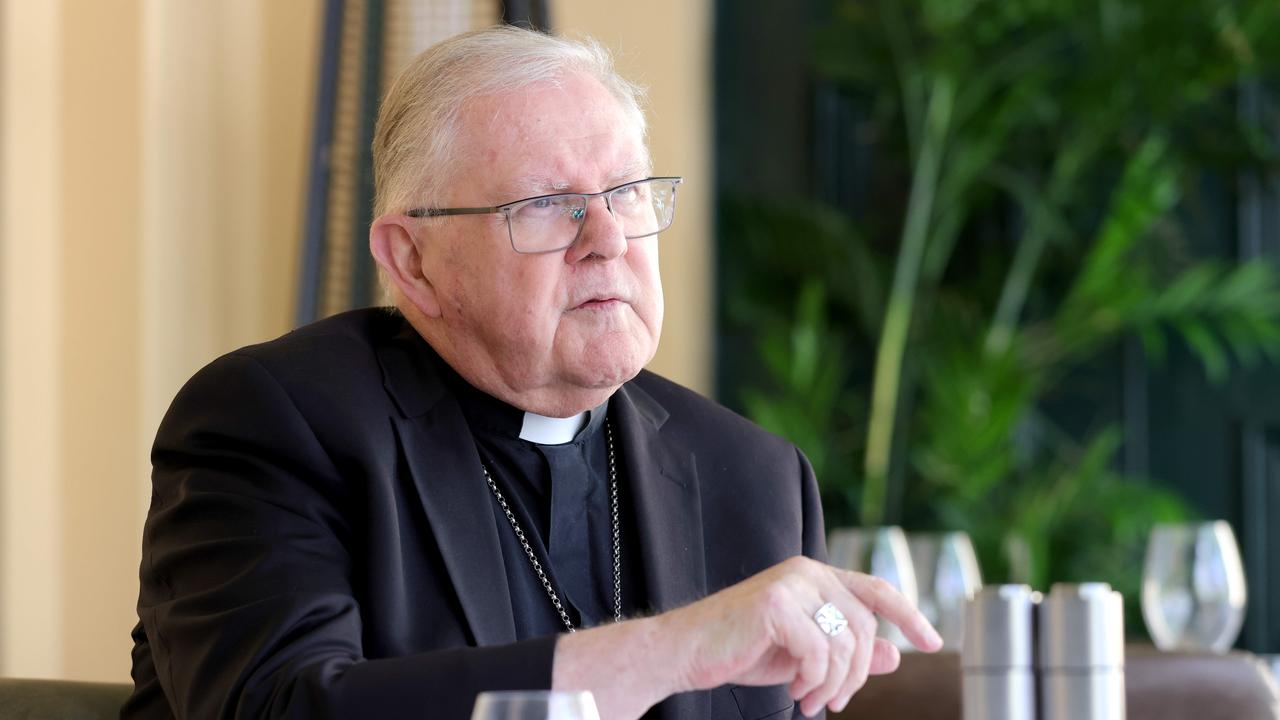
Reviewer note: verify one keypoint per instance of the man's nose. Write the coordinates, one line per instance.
(601, 234)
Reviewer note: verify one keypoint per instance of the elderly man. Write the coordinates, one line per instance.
(385, 513)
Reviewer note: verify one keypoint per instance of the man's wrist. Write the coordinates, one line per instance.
(664, 653)
(669, 644)
(629, 667)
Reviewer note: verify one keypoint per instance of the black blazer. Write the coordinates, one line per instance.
(320, 541)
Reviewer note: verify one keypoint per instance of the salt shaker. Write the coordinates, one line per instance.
(996, 656)
(1081, 653)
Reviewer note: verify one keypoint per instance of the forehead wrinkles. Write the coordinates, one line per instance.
(556, 117)
(547, 138)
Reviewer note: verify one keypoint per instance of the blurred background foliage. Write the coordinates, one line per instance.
(1038, 168)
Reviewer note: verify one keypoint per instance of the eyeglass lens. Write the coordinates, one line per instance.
(553, 222)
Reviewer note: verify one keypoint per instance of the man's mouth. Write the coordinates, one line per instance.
(604, 303)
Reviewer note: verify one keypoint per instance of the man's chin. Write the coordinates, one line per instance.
(578, 388)
(603, 359)
(605, 369)
(606, 377)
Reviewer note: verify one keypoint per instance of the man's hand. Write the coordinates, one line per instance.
(758, 632)
(762, 632)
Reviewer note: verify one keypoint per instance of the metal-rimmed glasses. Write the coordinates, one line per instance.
(548, 223)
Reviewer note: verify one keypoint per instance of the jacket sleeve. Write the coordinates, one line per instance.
(246, 595)
(815, 533)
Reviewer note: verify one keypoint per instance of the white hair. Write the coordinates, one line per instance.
(417, 131)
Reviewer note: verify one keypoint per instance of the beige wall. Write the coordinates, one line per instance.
(666, 46)
(153, 157)
(152, 163)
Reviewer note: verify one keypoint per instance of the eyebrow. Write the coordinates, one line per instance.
(530, 185)
(631, 171)
(533, 185)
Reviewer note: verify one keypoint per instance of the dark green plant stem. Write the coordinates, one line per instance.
(1022, 271)
(886, 388)
(1017, 284)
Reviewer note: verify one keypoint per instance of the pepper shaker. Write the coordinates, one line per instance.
(996, 656)
(1081, 653)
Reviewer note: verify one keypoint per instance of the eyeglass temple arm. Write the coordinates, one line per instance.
(439, 212)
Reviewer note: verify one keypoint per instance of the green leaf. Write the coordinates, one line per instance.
(1206, 348)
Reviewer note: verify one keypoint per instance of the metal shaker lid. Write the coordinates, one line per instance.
(1081, 627)
(998, 628)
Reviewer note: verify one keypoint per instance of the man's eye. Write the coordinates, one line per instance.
(541, 209)
(629, 195)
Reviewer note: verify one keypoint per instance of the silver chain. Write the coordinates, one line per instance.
(533, 559)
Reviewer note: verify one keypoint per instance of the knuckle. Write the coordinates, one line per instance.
(819, 670)
(880, 586)
(857, 684)
(847, 577)
(774, 597)
(844, 655)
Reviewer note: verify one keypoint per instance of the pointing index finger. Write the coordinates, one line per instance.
(887, 602)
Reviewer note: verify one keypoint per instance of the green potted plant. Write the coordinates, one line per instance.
(910, 353)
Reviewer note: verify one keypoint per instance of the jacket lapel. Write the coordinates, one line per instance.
(664, 488)
(664, 485)
(441, 456)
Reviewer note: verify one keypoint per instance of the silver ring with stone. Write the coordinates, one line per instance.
(830, 620)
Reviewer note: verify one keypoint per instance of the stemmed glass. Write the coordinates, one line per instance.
(947, 576)
(535, 705)
(882, 552)
(1193, 586)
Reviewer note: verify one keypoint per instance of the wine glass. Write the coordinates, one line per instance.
(1193, 586)
(947, 576)
(882, 552)
(535, 705)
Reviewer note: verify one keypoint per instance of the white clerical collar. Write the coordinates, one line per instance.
(545, 430)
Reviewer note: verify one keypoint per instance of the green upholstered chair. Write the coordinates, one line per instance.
(60, 699)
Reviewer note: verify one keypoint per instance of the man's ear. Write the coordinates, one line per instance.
(392, 243)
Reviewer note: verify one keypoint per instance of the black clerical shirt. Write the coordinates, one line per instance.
(560, 496)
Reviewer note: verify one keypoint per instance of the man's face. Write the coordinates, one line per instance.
(539, 330)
